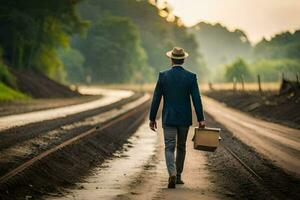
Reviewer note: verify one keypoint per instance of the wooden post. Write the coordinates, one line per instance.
(297, 77)
(259, 83)
(243, 84)
(234, 84)
(210, 85)
(282, 76)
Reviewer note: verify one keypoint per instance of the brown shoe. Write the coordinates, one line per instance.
(172, 182)
(179, 180)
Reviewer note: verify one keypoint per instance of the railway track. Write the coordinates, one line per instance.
(19, 134)
(245, 173)
(133, 109)
(248, 168)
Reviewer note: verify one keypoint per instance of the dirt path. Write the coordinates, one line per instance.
(11, 156)
(25, 106)
(139, 172)
(80, 152)
(109, 97)
(278, 143)
(152, 184)
(269, 106)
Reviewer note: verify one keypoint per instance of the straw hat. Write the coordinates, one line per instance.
(177, 53)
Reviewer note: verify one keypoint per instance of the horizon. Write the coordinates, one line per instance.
(234, 29)
(256, 27)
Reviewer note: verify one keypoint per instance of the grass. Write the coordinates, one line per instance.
(9, 94)
(269, 86)
(149, 87)
(6, 77)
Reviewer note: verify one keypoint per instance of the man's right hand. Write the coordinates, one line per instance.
(202, 124)
(153, 125)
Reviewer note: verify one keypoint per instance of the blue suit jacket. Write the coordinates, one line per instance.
(177, 85)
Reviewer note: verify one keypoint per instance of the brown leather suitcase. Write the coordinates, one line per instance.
(206, 139)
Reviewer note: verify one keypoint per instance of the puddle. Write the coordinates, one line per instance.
(112, 178)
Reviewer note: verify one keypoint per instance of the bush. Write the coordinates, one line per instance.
(271, 70)
(5, 76)
(239, 69)
(8, 94)
(73, 63)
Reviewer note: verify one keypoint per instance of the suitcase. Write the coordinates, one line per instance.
(206, 139)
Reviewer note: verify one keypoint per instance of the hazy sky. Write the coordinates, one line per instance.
(258, 18)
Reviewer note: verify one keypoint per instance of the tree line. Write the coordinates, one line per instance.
(229, 54)
(120, 41)
(31, 31)
(100, 41)
(127, 41)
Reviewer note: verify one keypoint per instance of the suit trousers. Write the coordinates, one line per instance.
(173, 135)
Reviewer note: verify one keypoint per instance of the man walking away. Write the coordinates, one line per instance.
(176, 85)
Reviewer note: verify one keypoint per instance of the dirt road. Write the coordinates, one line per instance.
(109, 97)
(139, 172)
(34, 147)
(278, 143)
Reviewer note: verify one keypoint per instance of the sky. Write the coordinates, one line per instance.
(257, 18)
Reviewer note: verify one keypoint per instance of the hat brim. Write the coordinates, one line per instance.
(170, 55)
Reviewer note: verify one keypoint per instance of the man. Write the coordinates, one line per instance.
(176, 85)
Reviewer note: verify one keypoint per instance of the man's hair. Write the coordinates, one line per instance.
(178, 61)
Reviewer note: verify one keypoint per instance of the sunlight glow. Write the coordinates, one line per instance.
(256, 17)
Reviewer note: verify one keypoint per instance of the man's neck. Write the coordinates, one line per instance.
(176, 65)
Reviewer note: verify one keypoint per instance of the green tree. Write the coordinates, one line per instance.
(238, 69)
(112, 50)
(5, 76)
(282, 46)
(157, 33)
(32, 30)
(272, 69)
(220, 45)
(278, 55)
(73, 62)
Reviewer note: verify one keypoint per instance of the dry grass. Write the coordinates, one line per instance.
(149, 87)
(248, 86)
(203, 86)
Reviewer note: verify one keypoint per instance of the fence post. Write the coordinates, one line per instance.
(259, 83)
(243, 84)
(282, 76)
(297, 77)
(234, 84)
(210, 85)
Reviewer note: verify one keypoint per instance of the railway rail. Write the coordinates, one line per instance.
(22, 133)
(249, 169)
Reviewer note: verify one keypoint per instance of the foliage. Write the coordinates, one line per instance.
(5, 76)
(112, 50)
(7, 93)
(281, 46)
(239, 70)
(271, 70)
(127, 40)
(278, 55)
(219, 45)
(30, 32)
(270, 58)
(73, 64)
(157, 34)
